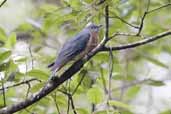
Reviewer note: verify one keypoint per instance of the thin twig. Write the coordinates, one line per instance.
(3, 3)
(70, 100)
(142, 23)
(110, 73)
(124, 34)
(56, 104)
(127, 23)
(130, 85)
(143, 18)
(121, 34)
(159, 8)
(148, 5)
(79, 83)
(107, 22)
(68, 107)
(73, 69)
(31, 55)
(56, 82)
(106, 38)
(21, 83)
(103, 80)
(138, 43)
(148, 12)
(28, 90)
(72, 104)
(110, 77)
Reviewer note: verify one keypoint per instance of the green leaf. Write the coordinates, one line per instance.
(2, 35)
(4, 55)
(48, 8)
(11, 41)
(20, 59)
(131, 92)
(4, 66)
(82, 111)
(38, 74)
(95, 95)
(155, 61)
(119, 104)
(75, 3)
(37, 87)
(125, 112)
(121, 77)
(61, 100)
(13, 66)
(166, 112)
(88, 1)
(155, 83)
(25, 27)
(18, 76)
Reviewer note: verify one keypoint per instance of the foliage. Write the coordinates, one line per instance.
(26, 51)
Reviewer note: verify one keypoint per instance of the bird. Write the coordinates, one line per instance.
(77, 47)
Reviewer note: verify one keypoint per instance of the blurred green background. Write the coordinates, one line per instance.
(32, 32)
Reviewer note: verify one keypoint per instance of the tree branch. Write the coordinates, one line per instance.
(49, 87)
(127, 23)
(56, 104)
(107, 22)
(143, 18)
(3, 3)
(53, 84)
(148, 12)
(21, 83)
(138, 43)
(163, 6)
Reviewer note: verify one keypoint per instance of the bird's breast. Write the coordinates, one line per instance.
(93, 41)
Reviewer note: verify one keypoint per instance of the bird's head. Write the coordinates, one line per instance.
(93, 27)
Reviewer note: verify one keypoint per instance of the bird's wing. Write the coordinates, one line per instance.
(72, 48)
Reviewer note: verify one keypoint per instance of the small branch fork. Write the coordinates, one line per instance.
(148, 12)
(140, 27)
(138, 43)
(142, 19)
(56, 82)
(70, 95)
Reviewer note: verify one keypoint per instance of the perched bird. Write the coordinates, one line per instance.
(77, 47)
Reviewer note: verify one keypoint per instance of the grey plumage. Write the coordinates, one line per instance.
(78, 46)
(71, 49)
